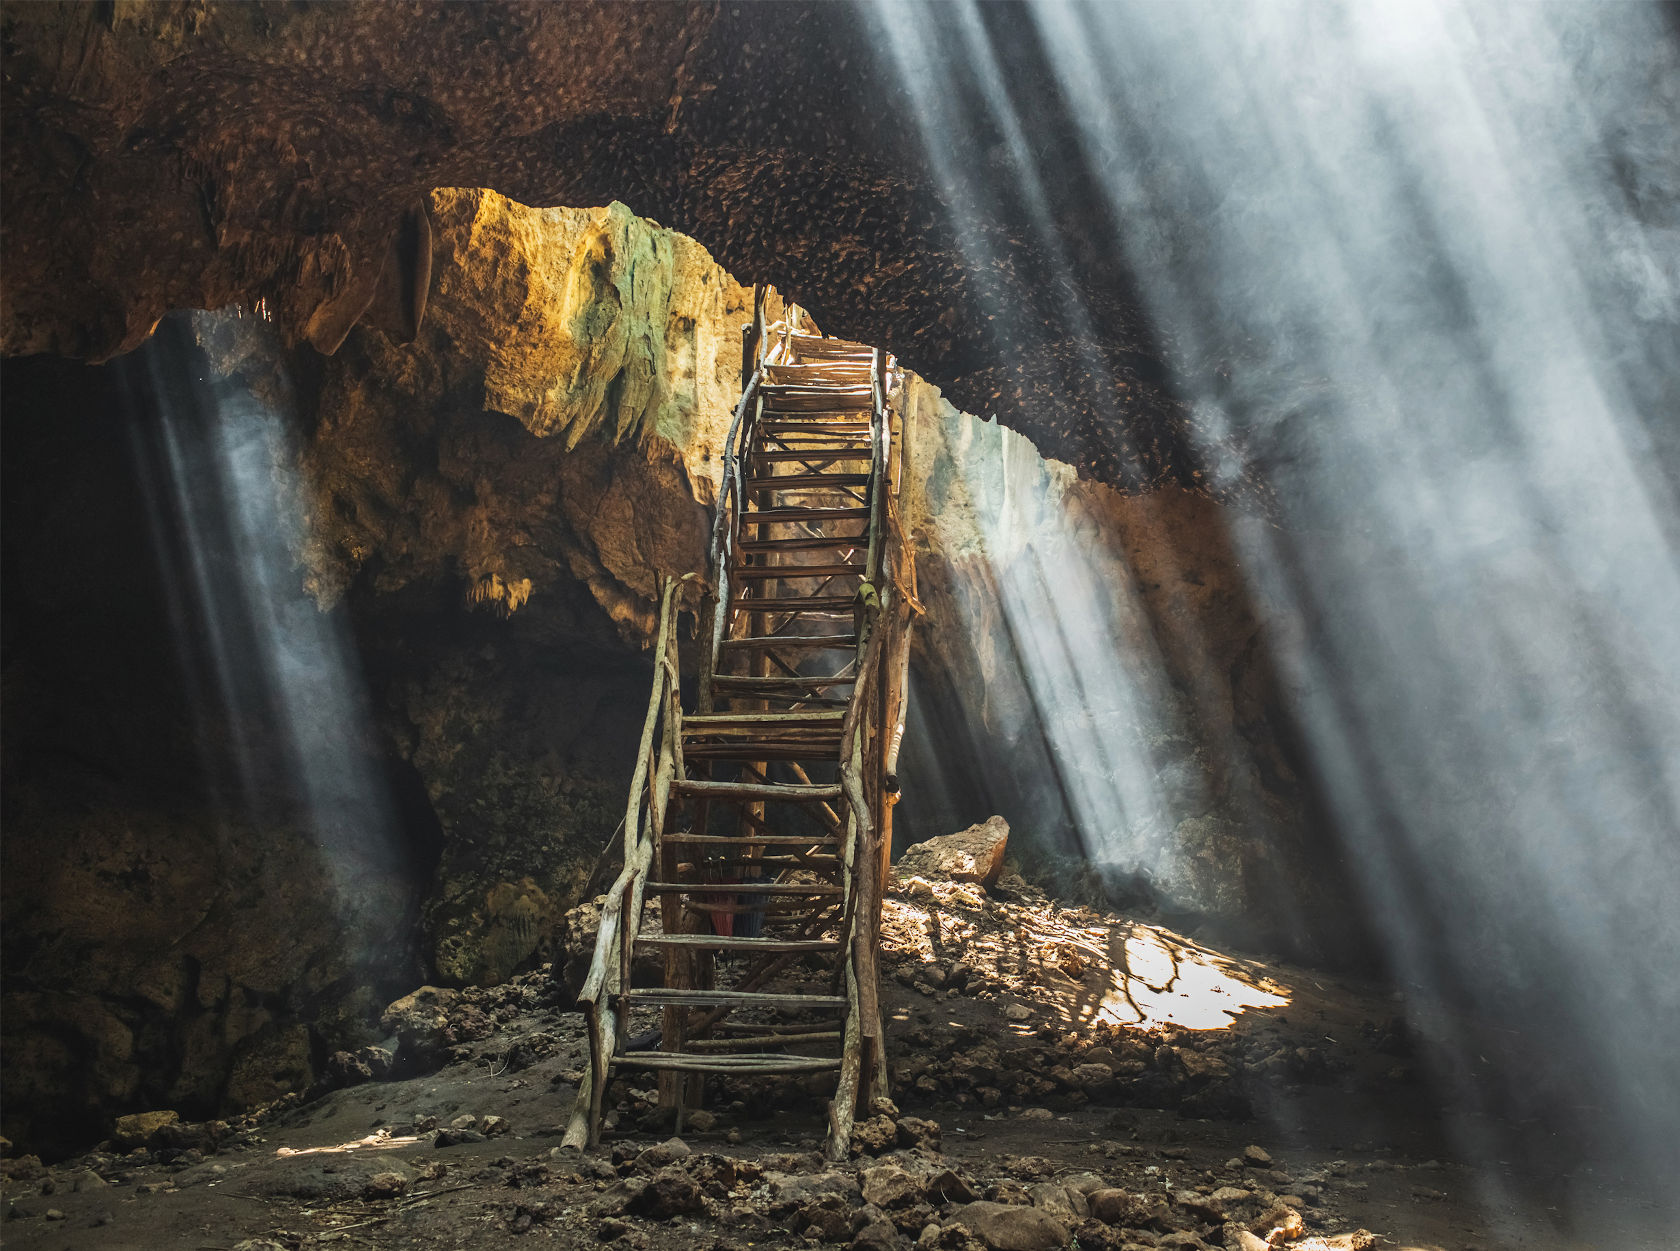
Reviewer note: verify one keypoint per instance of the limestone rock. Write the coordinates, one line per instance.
(971, 855)
(419, 1022)
(877, 1236)
(888, 1186)
(1005, 1227)
(136, 1130)
(669, 1192)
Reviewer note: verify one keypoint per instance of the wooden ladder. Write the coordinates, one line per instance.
(759, 826)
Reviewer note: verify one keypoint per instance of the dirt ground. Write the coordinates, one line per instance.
(1109, 1083)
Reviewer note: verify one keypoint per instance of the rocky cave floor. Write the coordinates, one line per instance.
(1055, 1084)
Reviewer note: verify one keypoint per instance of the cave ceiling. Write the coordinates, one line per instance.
(201, 154)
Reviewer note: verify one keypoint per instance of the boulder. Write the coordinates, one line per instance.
(137, 1129)
(419, 1021)
(1003, 1227)
(889, 1186)
(877, 1236)
(669, 1192)
(1059, 1201)
(971, 855)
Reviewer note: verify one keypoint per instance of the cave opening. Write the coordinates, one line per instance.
(1231, 445)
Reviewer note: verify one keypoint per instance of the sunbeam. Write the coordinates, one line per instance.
(1411, 260)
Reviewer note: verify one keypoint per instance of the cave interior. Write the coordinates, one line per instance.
(1285, 830)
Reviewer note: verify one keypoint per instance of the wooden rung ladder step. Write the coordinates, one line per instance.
(842, 570)
(806, 481)
(789, 890)
(794, 516)
(790, 793)
(793, 603)
(719, 942)
(659, 997)
(756, 683)
(749, 721)
(799, 642)
(858, 452)
(806, 543)
(752, 840)
(748, 1062)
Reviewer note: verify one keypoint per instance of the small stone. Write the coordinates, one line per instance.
(1037, 1114)
(456, 1137)
(494, 1126)
(1055, 1199)
(1184, 1240)
(1092, 1078)
(658, 1156)
(611, 1229)
(1114, 1206)
(915, 1131)
(384, 1186)
(1017, 1012)
(53, 1214)
(137, 1129)
(670, 1192)
(701, 1121)
(946, 1186)
(1006, 1228)
(972, 855)
(877, 1236)
(1281, 1223)
(465, 1121)
(889, 1186)
(86, 1180)
(1257, 1157)
(1250, 1242)
(877, 1134)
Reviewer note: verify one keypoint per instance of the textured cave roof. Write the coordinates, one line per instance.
(200, 153)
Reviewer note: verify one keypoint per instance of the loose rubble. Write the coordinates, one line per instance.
(1013, 1126)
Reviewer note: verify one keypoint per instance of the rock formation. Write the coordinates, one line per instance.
(284, 155)
(489, 498)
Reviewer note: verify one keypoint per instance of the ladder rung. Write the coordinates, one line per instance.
(788, 516)
(770, 642)
(806, 481)
(804, 863)
(753, 791)
(750, 1062)
(717, 942)
(781, 423)
(785, 889)
(825, 750)
(752, 840)
(731, 998)
(764, 720)
(798, 571)
(753, 682)
(793, 603)
(861, 451)
(806, 543)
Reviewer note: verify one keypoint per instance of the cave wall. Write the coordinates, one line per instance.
(175, 934)
(484, 509)
(1096, 666)
(284, 153)
(483, 514)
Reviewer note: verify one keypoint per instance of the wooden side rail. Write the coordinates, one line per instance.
(606, 1014)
